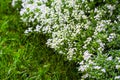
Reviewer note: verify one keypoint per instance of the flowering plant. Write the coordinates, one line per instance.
(83, 30)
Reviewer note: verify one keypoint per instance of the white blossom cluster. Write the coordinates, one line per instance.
(111, 37)
(74, 27)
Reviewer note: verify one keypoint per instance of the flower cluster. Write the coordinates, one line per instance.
(79, 29)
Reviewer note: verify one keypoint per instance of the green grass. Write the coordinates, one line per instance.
(27, 57)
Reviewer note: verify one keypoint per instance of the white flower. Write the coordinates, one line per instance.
(91, 62)
(85, 46)
(70, 53)
(43, 8)
(117, 77)
(111, 7)
(117, 66)
(85, 76)
(101, 48)
(88, 40)
(118, 17)
(28, 30)
(44, 1)
(96, 67)
(109, 58)
(111, 37)
(86, 55)
(61, 52)
(83, 68)
(14, 2)
(103, 70)
(84, 17)
(23, 11)
(38, 28)
(81, 63)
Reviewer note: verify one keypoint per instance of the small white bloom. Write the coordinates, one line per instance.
(111, 37)
(111, 7)
(117, 77)
(84, 17)
(103, 70)
(118, 17)
(85, 76)
(91, 62)
(38, 28)
(28, 30)
(44, 1)
(86, 55)
(61, 52)
(96, 67)
(14, 2)
(70, 53)
(117, 66)
(100, 49)
(81, 63)
(83, 68)
(85, 46)
(109, 58)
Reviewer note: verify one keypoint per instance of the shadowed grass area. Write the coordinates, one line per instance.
(26, 57)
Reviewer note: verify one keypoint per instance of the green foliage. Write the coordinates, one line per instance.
(81, 35)
(96, 45)
(26, 57)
